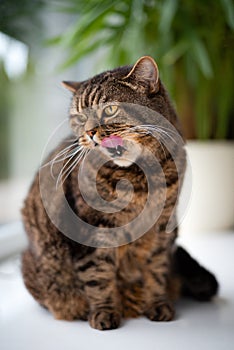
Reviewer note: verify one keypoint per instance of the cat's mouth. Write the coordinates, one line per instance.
(123, 152)
(116, 151)
(114, 145)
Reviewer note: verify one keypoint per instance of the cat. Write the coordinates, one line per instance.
(102, 281)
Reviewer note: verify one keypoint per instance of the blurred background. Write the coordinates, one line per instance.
(45, 42)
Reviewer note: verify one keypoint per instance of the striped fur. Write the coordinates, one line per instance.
(101, 285)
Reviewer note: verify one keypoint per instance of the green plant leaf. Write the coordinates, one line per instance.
(189, 39)
(167, 14)
(202, 57)
(177, 51)
(89, 22)
(84, 49)
(202, 111)
(228, 9)
(56, 40)
(225, 102)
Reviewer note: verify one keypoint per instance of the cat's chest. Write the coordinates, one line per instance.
(131, 259)
(112, 189)
(129, 268)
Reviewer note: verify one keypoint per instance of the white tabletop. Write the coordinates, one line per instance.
(24, 325)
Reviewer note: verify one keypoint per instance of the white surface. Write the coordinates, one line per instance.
(12, 239)
(211, 206)
(12, 195)
(24, 325)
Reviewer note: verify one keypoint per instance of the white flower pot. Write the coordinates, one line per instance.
(211, 206)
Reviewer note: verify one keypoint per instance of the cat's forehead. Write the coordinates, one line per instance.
(89, 96)
(100, 89)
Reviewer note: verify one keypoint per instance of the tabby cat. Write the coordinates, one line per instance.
(96, 280)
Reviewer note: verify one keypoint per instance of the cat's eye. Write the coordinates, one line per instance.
(111, 110)
(82, 118)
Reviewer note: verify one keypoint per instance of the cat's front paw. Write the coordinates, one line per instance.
(161, 311)
(104, 319)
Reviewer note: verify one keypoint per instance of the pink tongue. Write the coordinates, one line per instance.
(112, 141)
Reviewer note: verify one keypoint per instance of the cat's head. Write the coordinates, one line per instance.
(109, 110)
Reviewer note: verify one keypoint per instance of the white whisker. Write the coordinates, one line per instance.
(169, 130)
(71, 140)
(62, 172)
(69, 154)
(85, 155)
(70, 167)
(150, 129)
(66, 149)
(161, 130)
(62, 152)
(74, 164)
(162, 147)
(128, 131)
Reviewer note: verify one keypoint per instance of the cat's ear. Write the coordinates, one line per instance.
(145, 74)
(71, 85)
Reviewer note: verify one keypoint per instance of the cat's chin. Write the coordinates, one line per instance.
(129, 157)
(122, 162)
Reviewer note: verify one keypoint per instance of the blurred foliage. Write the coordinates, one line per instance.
(192, 42)
(20, 19)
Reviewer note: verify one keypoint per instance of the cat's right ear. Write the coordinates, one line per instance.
(144, 75)
(71, 85)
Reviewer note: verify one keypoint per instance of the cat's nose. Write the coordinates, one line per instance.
(91, 133)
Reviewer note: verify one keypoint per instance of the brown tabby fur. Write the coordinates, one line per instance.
(102, 285)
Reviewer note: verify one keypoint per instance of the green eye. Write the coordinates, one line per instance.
(111, 110)
(82, 118)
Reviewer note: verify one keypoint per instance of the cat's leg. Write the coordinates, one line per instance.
(29, 271)
(51, 280)
(98, 274)
(158, 306)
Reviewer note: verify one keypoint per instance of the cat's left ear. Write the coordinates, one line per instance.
(71, 85)
(145, 74)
